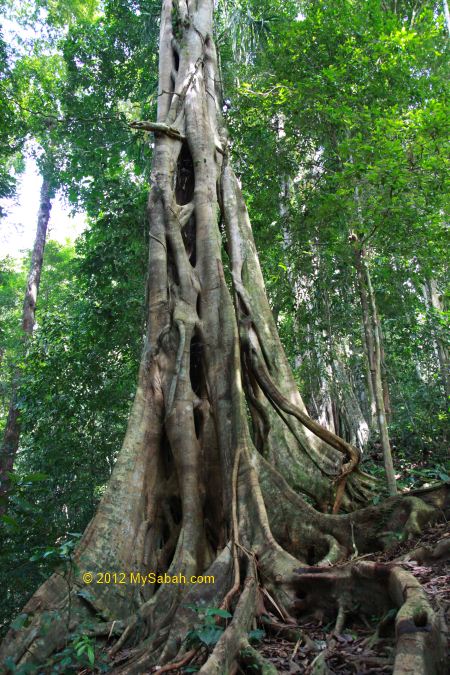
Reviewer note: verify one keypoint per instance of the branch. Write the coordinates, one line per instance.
(158, 128)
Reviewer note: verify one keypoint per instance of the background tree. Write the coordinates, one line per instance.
(359, 114)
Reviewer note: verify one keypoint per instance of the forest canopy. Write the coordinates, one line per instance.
(282, 387)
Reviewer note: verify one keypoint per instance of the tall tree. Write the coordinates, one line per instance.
(193, 490)
(373, 339)
(434, 302)
(11, 436)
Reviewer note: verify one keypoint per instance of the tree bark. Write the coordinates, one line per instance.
(373, 345)
(384, 380)
(11, 437)
(446, 15)
(433, 302)
(34, 275)
(359, 430)
(346, 404)
(370, 405)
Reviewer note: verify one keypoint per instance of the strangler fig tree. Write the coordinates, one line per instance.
(219, 445)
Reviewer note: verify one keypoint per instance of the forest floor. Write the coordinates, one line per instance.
(360, 649)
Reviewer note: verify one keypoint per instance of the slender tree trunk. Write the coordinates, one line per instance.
(371, 406)
(11, 435)
(359, 430)
(346, 404)
(384, 379)
(446, 15)
(373, 343)
(34, 275)
(434, 303)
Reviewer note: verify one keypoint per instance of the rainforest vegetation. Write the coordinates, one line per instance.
(239, 371)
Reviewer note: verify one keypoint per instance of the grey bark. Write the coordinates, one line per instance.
(433, 301)
(358, 428)
(373, 346)
(446, 15)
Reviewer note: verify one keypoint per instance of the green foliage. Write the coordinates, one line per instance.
(338, 125)
(77, 385)
(206, 632)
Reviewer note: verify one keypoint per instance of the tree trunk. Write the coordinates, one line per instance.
(433, 301)
(190, 494)
(373, 343)
(446, 15)
(384, 380)
(11, 435)
(370, 404)
(348, 403)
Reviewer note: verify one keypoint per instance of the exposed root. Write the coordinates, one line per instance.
(323, 539)
(418, 633)
(419, 644)
(340, 619)
(230, 643)
(325, 593)
(423, 554)
(187, 658)
(251, 658)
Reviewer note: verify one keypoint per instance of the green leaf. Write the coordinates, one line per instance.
(9, 520)
(35, 477)
(210, 636)
(212, 611)
(256, 635)
(91, 654)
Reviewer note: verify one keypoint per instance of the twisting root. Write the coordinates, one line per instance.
(339, 494)
(187, 658)
(277, 399)
(213, 479)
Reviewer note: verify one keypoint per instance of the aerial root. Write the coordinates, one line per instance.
(277, 399)
(340, 619)
(124, 636)
(276, 628)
